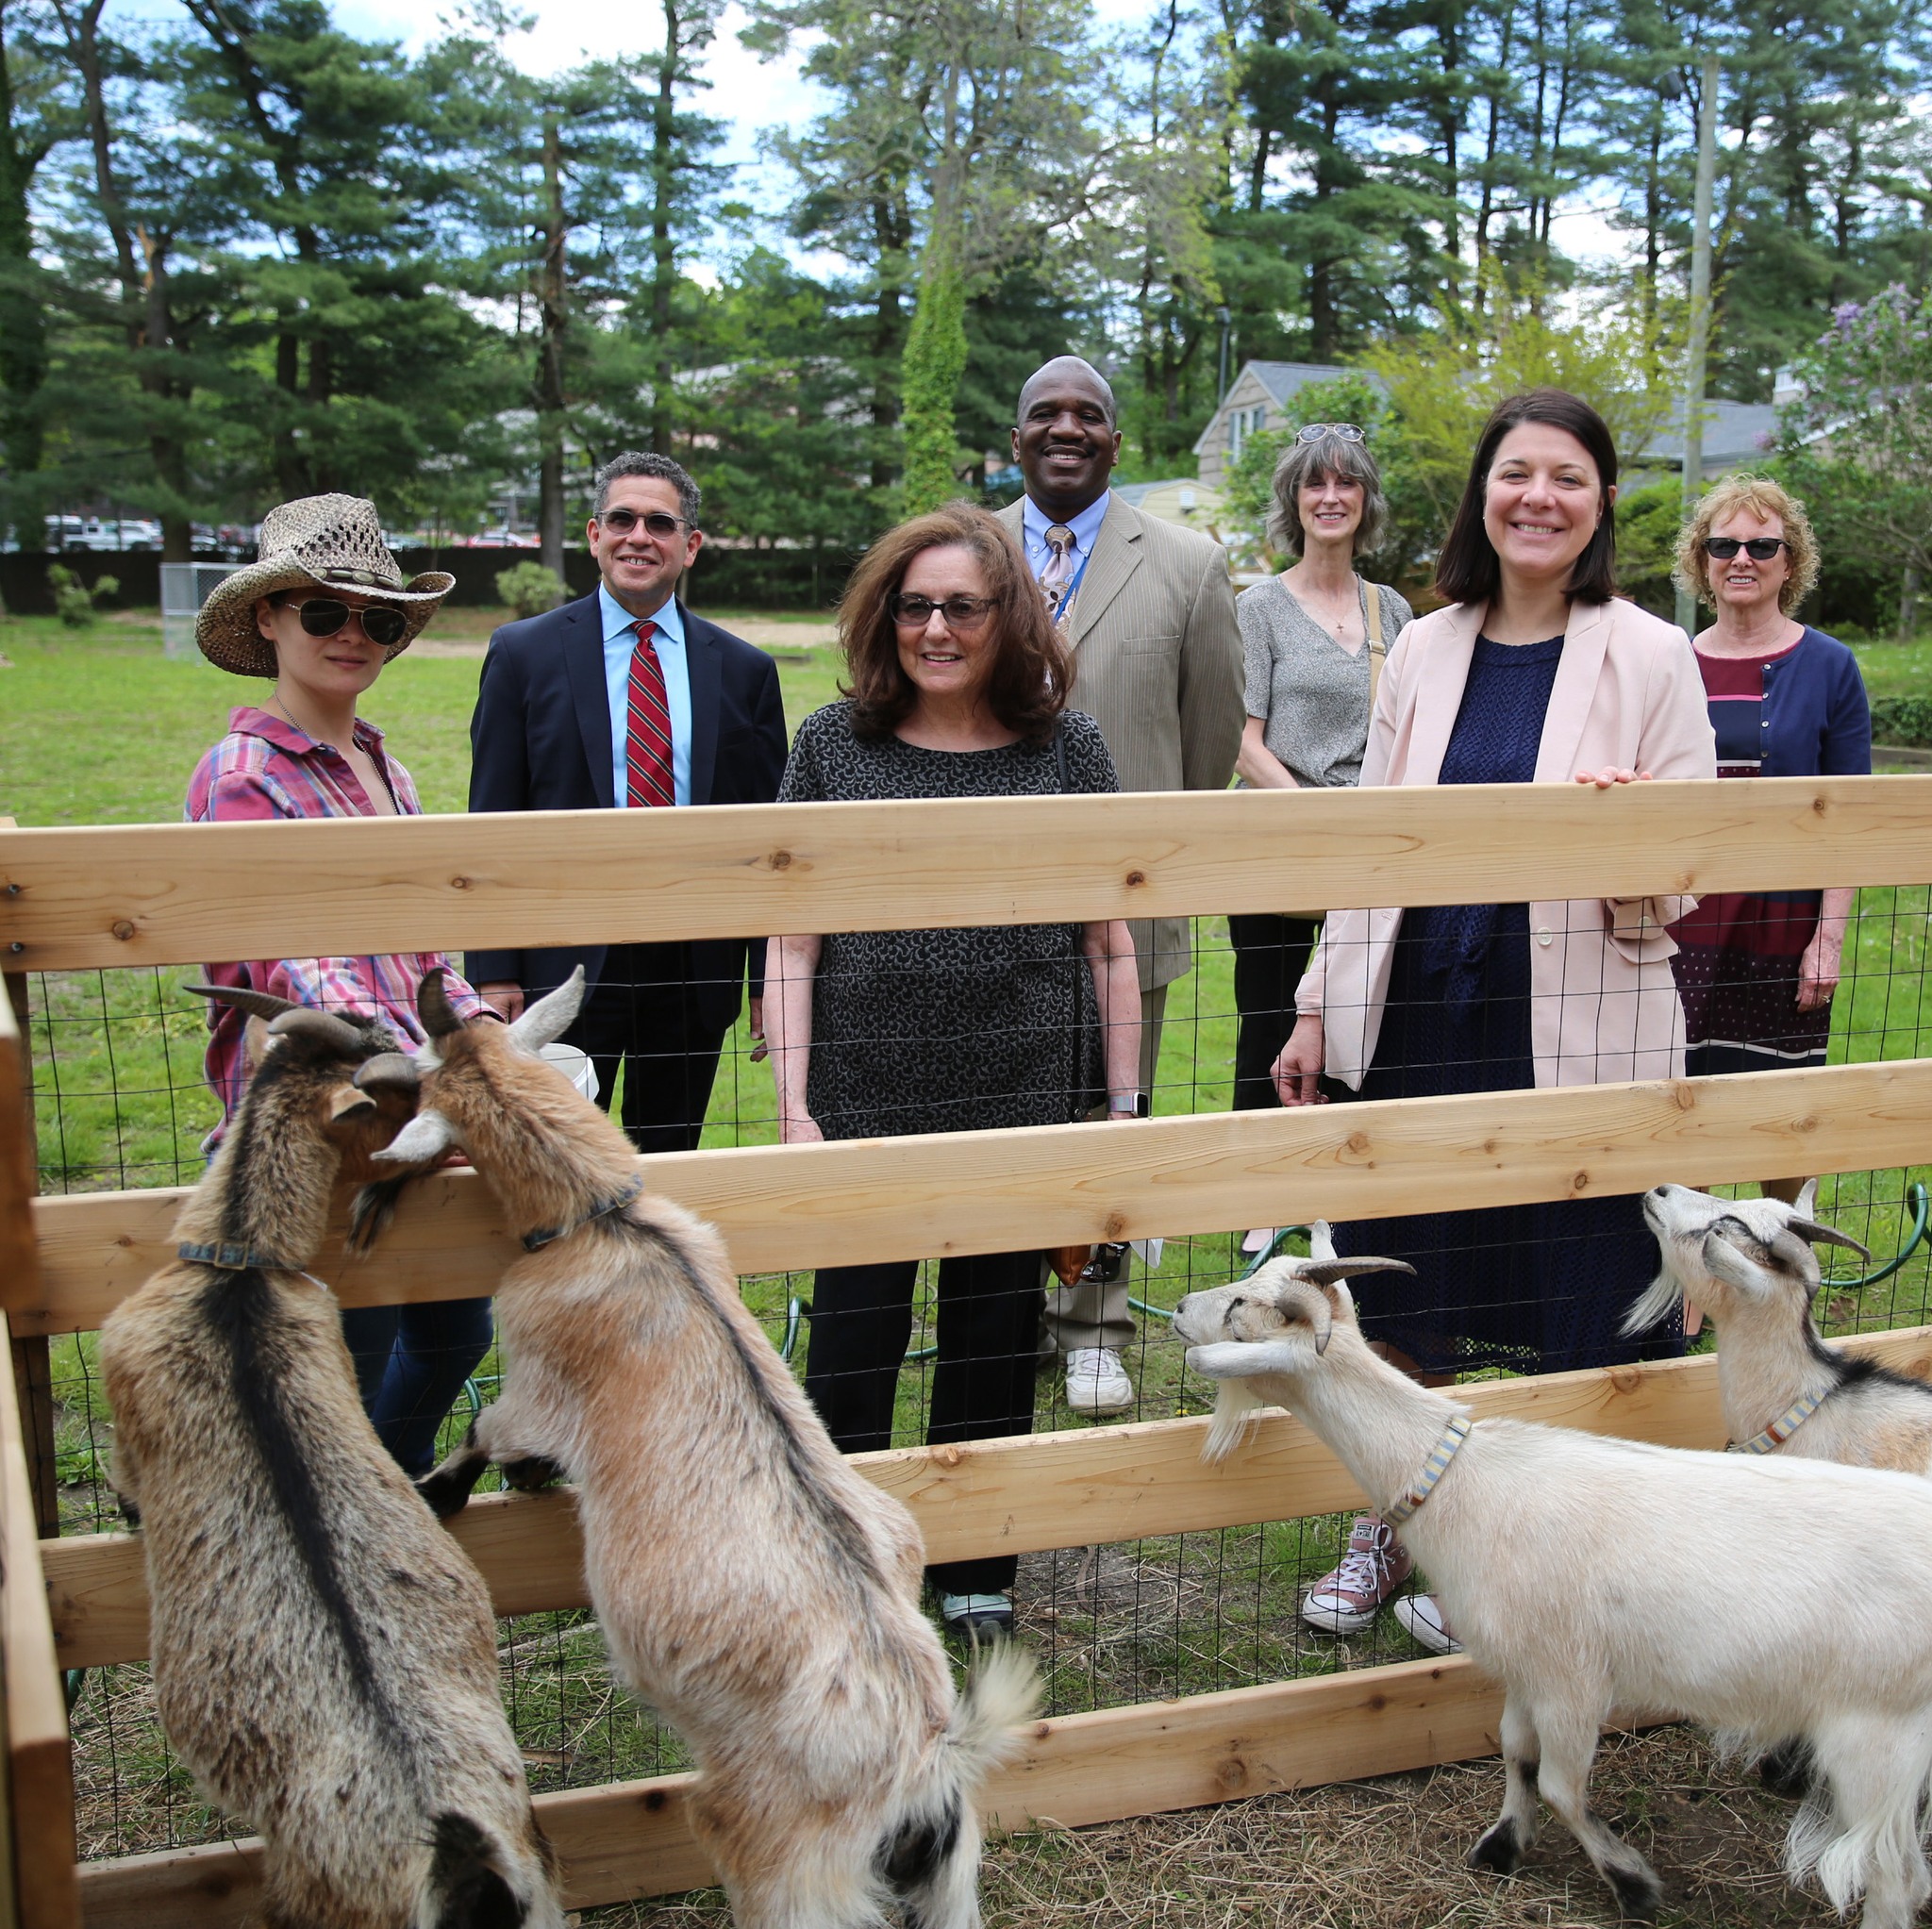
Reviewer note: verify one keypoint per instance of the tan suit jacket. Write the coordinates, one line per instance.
(1604, 1000)
(1158, 665)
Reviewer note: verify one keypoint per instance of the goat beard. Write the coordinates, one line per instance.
(1236, 1407)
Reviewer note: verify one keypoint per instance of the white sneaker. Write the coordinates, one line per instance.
(1097, 1381)
(1422, 1616)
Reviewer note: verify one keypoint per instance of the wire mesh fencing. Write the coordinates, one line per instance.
(121, 1101)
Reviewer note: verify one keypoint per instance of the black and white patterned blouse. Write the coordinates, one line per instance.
(956, 1030)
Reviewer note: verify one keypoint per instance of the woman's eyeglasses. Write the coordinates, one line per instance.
(960, 613)
(659, 523)
(1321, 431)
(324, 616)
(1758, 548)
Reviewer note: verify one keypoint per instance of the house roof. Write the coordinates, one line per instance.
(1280, 379)
(1732, 432)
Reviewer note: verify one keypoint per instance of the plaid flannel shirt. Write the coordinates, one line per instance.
(267, 768)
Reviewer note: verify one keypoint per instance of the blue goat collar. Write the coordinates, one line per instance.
(545, 1236)
(1781, 1429)
(1444, 1451)
(231, 1256)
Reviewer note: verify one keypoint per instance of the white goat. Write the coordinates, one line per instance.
(1590, 1574)
(1749, 1264)
(751, 1585)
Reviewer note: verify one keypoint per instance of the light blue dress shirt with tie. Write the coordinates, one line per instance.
(1034, 523)
(619, 639)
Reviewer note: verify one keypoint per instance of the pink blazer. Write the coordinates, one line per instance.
(1604, 1004)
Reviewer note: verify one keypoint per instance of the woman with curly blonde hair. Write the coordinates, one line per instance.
(1757, 970)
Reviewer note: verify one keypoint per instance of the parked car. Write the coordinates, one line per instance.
(66, 532)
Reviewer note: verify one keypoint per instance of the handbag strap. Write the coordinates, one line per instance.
(1378, 650)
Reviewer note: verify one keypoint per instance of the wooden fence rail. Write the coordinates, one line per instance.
(171, 895)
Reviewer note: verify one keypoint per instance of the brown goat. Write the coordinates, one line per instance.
(750, 1584)
(325, 1656)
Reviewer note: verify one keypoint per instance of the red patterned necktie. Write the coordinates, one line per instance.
(648, 740)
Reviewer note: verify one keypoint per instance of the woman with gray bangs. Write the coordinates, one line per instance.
(1314, 639)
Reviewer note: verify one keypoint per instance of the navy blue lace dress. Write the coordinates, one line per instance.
(1535, 1289)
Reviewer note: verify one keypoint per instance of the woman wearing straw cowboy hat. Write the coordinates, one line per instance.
(321, 612)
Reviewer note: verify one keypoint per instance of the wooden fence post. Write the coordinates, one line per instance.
(33, 1372)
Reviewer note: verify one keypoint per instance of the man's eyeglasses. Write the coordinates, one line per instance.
(960, 613)
(659, 523)
(1758, 548)
(1321, 431)
(324, 616)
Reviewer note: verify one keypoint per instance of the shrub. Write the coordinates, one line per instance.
(73, 602)
(530, 588)
(1902, 720)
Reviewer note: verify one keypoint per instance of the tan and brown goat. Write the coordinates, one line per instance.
(325, 1656)
(754, 1588)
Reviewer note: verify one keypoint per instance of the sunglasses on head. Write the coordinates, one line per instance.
(1320, 431)
(659, 523)
(326, 616)
(1758, 548)
(960, 613)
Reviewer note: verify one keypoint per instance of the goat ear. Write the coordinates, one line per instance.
(1816, 1234)
(255, 1042)
(545, 1022)
(433, 1007)
(1727, 1264)
(345, 1101)
(427, 1135)
(1235, 1359)
(1806, 1204)
(1321, 1241)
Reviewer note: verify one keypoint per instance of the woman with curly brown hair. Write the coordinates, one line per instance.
(958, 686)
(1757, 970)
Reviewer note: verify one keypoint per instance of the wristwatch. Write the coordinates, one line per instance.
(1128, 1104)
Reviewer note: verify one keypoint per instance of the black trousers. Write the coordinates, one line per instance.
(1270, 955)
(644, 1015)
(982, 1386)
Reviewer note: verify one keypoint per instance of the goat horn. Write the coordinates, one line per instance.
(245, 998)
(1813, 1234)
(325, 1026)
(395, 1071)
(1326, 1271)
(433, 1007)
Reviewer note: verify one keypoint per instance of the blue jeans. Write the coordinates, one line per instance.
(410, 1364)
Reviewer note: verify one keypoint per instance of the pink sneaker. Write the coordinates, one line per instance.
(1345, 1602)
(1422, 1617)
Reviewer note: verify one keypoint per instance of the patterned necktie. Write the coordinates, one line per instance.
(647, 738)
(1057, 578)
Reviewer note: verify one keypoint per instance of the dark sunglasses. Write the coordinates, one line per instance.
(659, 523)
(960, 613)
(324, 616)
(1759, 548)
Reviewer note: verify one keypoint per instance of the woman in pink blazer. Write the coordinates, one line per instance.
(1534, 673)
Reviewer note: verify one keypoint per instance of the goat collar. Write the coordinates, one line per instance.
(233, 1255)
(543, 1235)
(1781, 1429)
(1444, 1451)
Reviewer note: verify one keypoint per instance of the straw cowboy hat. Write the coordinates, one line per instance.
(320, 542)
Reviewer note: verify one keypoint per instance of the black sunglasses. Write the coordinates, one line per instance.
(1758, 548)
(960, 613)
(659, 523)
(324, 616)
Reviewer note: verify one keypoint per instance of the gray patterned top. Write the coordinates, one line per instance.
(1311, 695)
(948, 1030)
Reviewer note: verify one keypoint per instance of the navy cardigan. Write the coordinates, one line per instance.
(1817, 723)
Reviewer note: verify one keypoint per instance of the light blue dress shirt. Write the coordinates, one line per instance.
(619, 639)
(1034, 524)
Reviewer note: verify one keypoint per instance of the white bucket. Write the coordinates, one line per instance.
(575, 1066)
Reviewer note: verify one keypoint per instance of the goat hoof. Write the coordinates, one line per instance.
(1786, 1772)
(527, 1476)
(444, 1496)
(1638, 1898)
(1498, 1852)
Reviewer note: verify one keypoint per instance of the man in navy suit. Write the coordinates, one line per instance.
(626, 699)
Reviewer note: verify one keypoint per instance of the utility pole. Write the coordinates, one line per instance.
(1226, 320)
(1700, 313)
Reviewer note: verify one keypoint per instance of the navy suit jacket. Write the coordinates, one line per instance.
(540, 740)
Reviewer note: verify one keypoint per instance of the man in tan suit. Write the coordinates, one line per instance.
(1149, 612)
